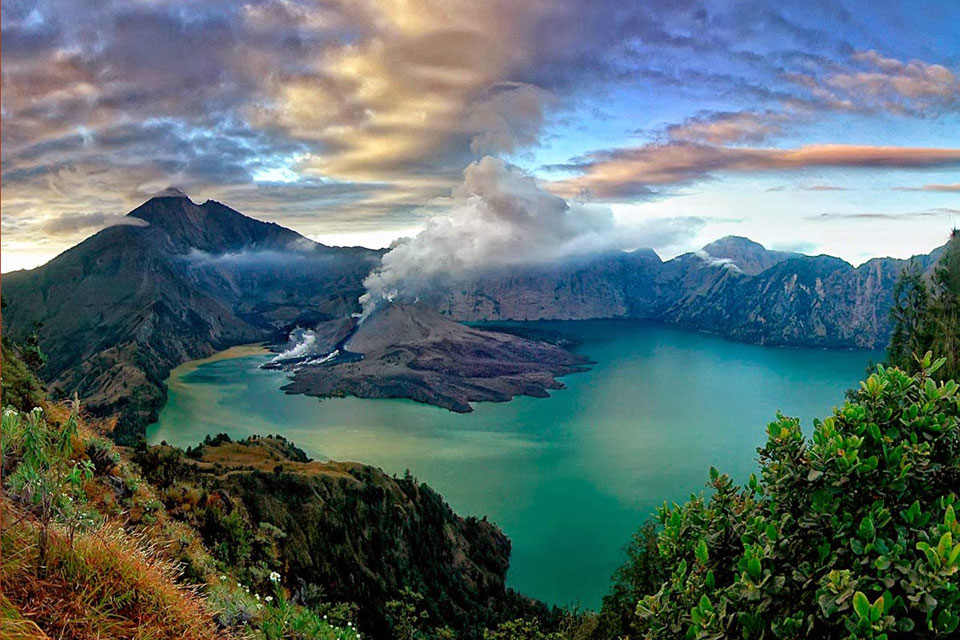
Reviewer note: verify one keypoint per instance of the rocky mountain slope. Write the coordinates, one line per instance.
(358, 534)
(732, 287)
(122, 308)
(411, 351)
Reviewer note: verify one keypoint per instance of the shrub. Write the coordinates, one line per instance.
(851, 535)
(47, 479)
(642, 573)
(20, 387)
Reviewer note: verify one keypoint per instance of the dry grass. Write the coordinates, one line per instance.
(263, 454)
(107, 585)
(13, 626)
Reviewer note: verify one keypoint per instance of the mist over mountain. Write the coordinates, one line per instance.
(118, 311)
(733, 287)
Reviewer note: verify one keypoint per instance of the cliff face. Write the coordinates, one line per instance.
(570, 291)
(350, 529)
(803, 301)
(733, 288)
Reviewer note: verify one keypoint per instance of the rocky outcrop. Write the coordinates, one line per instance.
(733, 288)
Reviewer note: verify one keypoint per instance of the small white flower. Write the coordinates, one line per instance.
(222, 578)
(257, 596)
(269, 598)
(274, 576)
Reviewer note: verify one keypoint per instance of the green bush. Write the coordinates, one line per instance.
(642, 573)
(19, 388)
(926, 313)
(851, 535)
(46, 480)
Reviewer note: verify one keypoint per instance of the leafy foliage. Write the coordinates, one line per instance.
(391, 545)
(927, 317)
(852, 534)
(47, 480)
(642, 573)
(20, 387)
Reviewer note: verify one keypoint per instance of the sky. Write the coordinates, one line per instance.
(817, 126)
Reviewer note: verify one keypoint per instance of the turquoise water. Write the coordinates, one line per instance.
(568, 478)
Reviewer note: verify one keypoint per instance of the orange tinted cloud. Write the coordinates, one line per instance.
(888, 84)
(625, 173)
(945, 188)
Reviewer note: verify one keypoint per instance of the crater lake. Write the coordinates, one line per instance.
(568, 478)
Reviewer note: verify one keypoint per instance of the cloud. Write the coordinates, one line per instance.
(370, 108)
(713, 261)
(508, 118)
(629, 172)
(728, 127)
(906, 215)
(498, 216)
(944, 188)
(70, 224)
(887, 84)
(824, 187)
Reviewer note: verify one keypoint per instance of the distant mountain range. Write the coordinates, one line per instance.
(732, 287)
(125, 306)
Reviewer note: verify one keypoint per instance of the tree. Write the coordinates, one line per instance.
(31, 353)
(642, 573)
(927, 318)
(852, 534)
(910, 305)
(944, 313)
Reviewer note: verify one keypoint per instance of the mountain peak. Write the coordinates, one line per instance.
(394, 323)
(728, 243)
(211, 227)
(748, 256)
(171, 192)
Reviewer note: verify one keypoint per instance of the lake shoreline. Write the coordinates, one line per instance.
(591, 462)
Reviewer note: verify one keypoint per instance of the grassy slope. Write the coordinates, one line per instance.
(130, 570)
(179, 545)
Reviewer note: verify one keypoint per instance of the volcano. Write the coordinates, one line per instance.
(411, 351)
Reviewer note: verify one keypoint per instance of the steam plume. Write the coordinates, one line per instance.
(499, 217)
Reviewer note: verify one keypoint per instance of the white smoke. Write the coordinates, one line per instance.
(304, 344)
(713, 261)
(499, 216)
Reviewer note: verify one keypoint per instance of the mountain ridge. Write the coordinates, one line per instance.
(119, 310)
